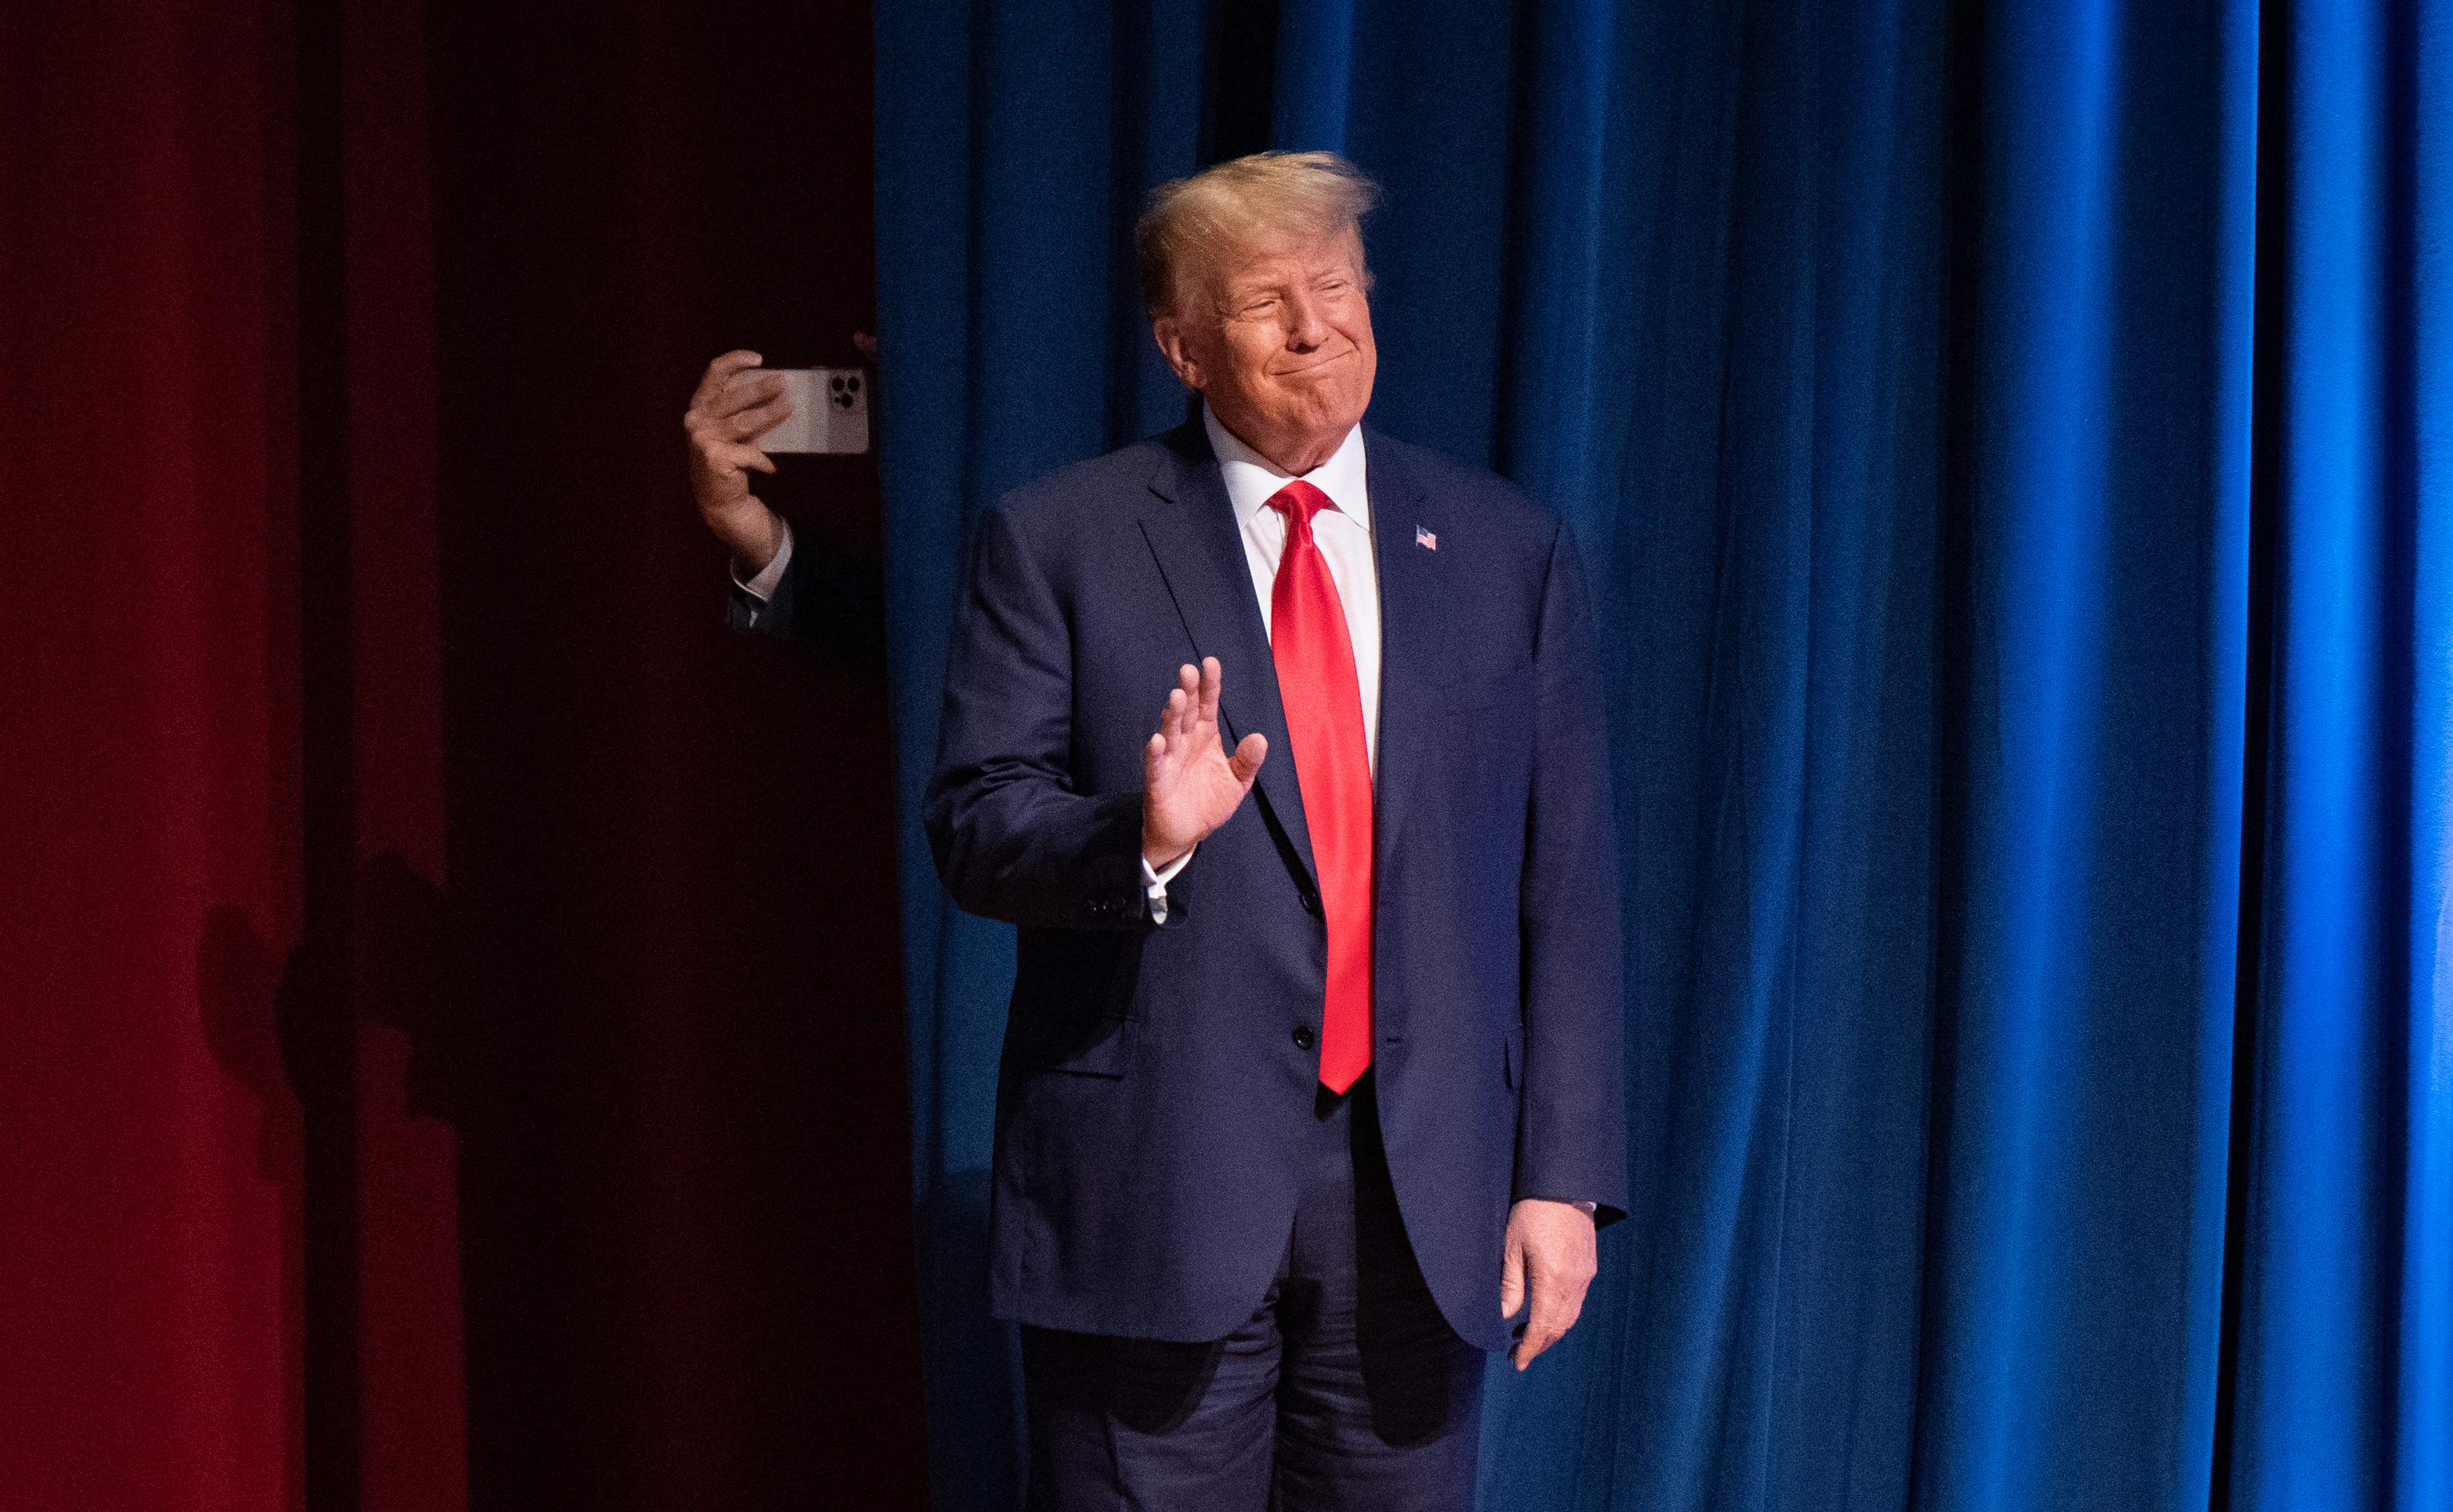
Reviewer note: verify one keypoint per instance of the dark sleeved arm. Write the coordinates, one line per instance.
(1012, 837)
(827, 600)
(1572, 1136)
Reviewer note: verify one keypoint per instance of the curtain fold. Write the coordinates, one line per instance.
(150, 1194)
(2343, 1190)
(2010, 448)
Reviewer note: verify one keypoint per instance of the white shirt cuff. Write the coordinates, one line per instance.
(1154, 885)
(762, 587)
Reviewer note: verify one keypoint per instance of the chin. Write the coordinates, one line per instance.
(1316, 411)
(1340, 417)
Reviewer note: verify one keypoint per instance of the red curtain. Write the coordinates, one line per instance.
(148, 743)
(448, 1009)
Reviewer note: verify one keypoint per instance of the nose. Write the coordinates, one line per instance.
(1306, 330)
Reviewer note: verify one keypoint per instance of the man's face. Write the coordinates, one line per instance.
(1281, 347)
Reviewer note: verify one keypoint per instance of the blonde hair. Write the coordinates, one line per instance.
(1194, 224)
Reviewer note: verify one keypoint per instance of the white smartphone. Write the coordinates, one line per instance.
(830, 410)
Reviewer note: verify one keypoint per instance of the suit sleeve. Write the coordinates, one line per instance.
(1571, 1134)
(1012, 838)
(827, 600)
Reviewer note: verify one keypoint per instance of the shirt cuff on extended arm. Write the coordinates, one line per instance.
(1587, 1208)
(1154, 883)
(762, 587)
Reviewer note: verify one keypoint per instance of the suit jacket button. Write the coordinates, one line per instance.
(1302, 1036)
(1310, 902)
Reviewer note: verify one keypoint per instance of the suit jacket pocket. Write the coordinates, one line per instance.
(1073, 1003)
(1511, 1058)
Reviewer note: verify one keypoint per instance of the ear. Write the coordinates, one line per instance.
(1169, 332)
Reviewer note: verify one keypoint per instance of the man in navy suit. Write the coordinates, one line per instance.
(1281, 743)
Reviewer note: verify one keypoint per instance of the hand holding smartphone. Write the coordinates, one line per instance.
(830, 410)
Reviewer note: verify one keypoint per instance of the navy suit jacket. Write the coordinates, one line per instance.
(1158, 1081)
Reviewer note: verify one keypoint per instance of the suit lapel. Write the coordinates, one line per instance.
(1191, 527)
(1409, 611)
(1410, 629)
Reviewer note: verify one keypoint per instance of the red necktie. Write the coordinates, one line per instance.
(1323, 702)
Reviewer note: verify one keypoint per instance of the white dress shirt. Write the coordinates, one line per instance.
(762, 587)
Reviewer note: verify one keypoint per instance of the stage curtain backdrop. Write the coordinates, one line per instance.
(150, 1144)
(449, 1047)
(2011, 447)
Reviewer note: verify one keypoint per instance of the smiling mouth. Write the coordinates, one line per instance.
(1314, 366)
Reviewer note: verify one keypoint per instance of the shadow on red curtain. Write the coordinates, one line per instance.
(447, 986)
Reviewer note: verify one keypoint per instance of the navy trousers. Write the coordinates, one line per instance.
(1344, 1389)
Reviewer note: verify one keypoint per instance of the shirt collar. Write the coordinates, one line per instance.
(1252, 480)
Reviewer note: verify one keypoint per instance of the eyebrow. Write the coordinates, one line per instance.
(1244, 294)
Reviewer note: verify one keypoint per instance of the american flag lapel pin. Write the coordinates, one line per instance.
(1425, 539)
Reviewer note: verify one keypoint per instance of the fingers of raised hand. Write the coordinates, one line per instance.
(736, 455)
(1212, 680)
(738, 419)
(755, 421)
(1184, 703)
(728, 410)
(1171, 718)
(1248, 756)
(718, 396)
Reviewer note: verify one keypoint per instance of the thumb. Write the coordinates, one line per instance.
(1511, 1280)
(1245, 762)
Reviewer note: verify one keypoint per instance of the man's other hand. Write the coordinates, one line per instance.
(1552, 1255)
(1189, 782)
(725, 417)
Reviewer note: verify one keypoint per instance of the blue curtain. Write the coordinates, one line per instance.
(2013, 447)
